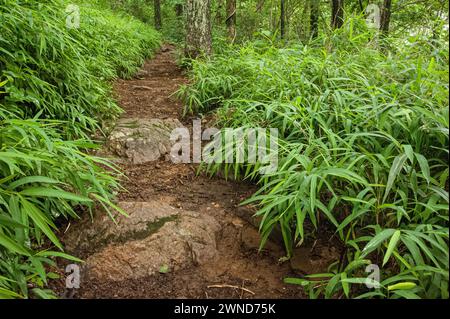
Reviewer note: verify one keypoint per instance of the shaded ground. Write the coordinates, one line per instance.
(237, 270)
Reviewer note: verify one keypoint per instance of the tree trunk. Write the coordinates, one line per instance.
(231, 20)
(158, 23)
(198, 28)
(385, 16)
(179, 9)
(337, 14)
(282, 19)
(314, 18)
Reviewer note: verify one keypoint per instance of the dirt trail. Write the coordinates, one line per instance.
(236, 263)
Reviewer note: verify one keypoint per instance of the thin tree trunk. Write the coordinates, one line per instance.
(282, 19)
(314, 18)
(179, 9)
(231, 20)
(198, 28)
(158, 22)
(337, 14)
(385, 17)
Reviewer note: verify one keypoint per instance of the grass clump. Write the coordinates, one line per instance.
(363, 150)
(54, 95)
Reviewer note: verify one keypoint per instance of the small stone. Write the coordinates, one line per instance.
(239, 223)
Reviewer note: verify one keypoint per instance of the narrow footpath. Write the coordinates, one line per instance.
(186, 236)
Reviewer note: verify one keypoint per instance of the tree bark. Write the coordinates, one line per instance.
(337, 14)
(198, 28)
(314, 18)
(158, 22)
(385, 17)
(282, 19)
(231, 20)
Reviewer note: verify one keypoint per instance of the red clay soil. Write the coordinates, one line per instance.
(240, 271)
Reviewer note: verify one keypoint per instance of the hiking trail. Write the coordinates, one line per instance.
(186, 235)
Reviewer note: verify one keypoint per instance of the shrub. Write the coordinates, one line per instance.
(363, 148)
(54, 95)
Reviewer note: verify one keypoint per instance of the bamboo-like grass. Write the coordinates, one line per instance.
(54, 95)
(363, 150)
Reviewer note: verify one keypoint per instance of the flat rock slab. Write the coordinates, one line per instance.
(155, 237)
(142, 140)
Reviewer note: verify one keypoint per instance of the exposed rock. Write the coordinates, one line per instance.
(155, 235)
(142, 140)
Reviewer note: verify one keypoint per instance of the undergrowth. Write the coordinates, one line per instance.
(363, 147)
(54, 95)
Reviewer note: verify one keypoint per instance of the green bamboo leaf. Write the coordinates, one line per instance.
(313, 191)
(396, 168)
(31, 180)
(55, 193)
(392, 245)
(41, 221)
(331, 286)
(345, 284)
(297, 281)
(409, 152)
(376, 241)
(6, 294)
(49, 253)
(424, 167)
(402, 286)
(11, 245)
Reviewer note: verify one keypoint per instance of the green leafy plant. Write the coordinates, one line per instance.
(363, 150)
(54, 95)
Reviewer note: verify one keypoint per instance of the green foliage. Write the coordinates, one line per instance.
(172, 24)
(129, 42)
(60, 73)
(256, 16)
(141, 9)
(53, 93)
(363, 149)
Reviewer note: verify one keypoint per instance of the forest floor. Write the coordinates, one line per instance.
(234, 270)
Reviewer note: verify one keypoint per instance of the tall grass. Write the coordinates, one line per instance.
(363, 149)
(54, 95)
